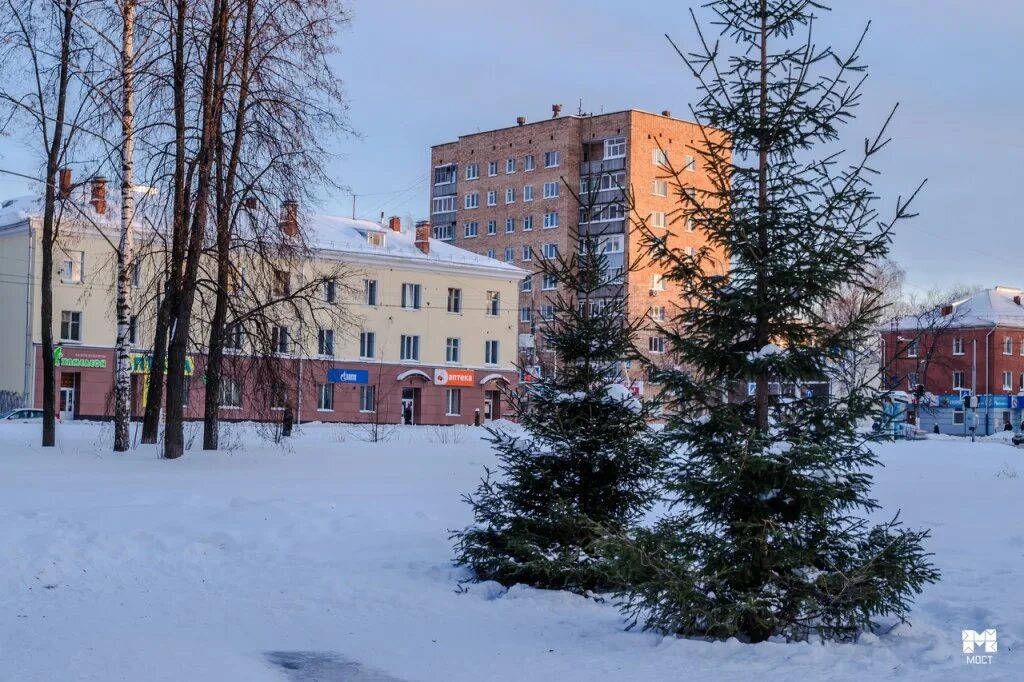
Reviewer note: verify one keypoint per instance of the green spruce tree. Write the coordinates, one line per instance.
(767, 536)
(587, 460)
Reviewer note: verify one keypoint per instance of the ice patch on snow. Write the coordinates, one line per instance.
(323, 666)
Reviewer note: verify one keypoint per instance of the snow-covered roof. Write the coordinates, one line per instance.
(995, 307)
(347, 235)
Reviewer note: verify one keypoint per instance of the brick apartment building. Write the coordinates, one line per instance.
(974, 345)
(502, 193)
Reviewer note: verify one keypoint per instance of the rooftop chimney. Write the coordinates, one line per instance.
(423, 236)
(290, 218)
(395, 223)
(520, 120)
(556, 109)
(99, 195)
(666, 113)
(65, 183)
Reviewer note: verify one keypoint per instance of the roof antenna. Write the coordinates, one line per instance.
(579, 111)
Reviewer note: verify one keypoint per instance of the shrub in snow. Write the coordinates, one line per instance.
(767, 539)
(586, 460)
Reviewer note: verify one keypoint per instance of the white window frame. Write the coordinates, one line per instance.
(528, 223)
(656, 344)
(510, 195)
(527, 252)
(74, 323)
(690, 163)
(527, 193)
(552, 190)
(492, 356)
(492, 197)
(445, 204)
(659, 157)
(529, 163)
(1008, 345)
(492, 168)
(510, 166)
(409, 348)
(493, 300)
(510, 254)
(1007, 381)
(615, 148)
(452, 350)
(526, 284)
(550, 250)
(471, 230)
(368, 398)
(552, 159)
(367, 345)
(453, 402)
(958, 379)
(659, 188)
(412, 296)
(510, 225)
(454, 304)
(550, 220)
(473, 171)
(325, 343)
(958, 345)
(472, 200)
(526, 315)
(492, 227)
(658, 219)
(325, 398)
(658, 282)
(548, 282)
(370, 292)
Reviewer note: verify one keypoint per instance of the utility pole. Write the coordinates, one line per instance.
(353, 206)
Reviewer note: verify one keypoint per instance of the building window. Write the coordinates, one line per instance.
(411, 296)
(958, 379)
(279, 337)
(659, 188)
(453, 401)
(551, 159)
(550, 220)
(71, 267)
(444, 175)
(657, 313)
(1022, 381)
(233, 337)
(330, 290)
(510, 195)
(527, 253)
(958, 346)
(370, 292)
(1022, 346)
(958, 416)
(912, 380)
(615, 148)
(549, 282)
(443, 204)
(551, 190)
(230, 392)
(510, 225)
(550, 250)
(137, 273)
(325, 397)
(528, 163)
(282, 283)
(492, 168)
(547, 312)
(656, 344)
(490, 253)
(690, 226)
(527, 192)
(1007, 381)
(527, 284)
(492, 227)
(510, 254)
(444, 233)
(472, 200)
(490, 352)
(493, 303)
(471, 230)
(526, 314)
(658, 219)
(690, 163)
(451, 350)
(510, 166)
(492, 198)
(473, 171)
(133, 330)
(912, 349)
(70, 325)
(410, 347)
(367, 345)
(528, 223)
(325, 342)
(659, 157)
(367, 398)
(1008, 346)
(657, 282)
(454, 300)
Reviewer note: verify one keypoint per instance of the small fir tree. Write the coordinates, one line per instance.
(766, 537)
(588, 460)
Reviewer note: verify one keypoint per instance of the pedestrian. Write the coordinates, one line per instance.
(407, 414)
(1007, 426)
(935, 429)
(286, 422)
(476, 417)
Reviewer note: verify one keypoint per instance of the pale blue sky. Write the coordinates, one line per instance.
(420, 73)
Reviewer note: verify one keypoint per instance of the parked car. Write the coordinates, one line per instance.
(24, 415)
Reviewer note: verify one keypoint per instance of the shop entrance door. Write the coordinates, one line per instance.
(492, 405)
(408, 406)
(67, 403)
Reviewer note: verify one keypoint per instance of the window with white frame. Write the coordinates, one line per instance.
(659, 188)
(490, 352)
(451, 349)
(689, 163)
(453, 401)
(1021, 346)
(527, 192)
(958, 380)
(492, 168)
(547, 312)
(551, 159)
(1007, 381)
(528, 163)
(526, 314)
(656, 344)
(492, 197)
(690, 225)
(325, 397)
(958, 416)
(690, 192)
(472, 200)
(411, 296)
(137, 274)
(492, 227)
(657, 282)
(330, 290)
(1022, 381)
(659, 157)
(370, 292)
(549, 282)
(280, 338)
(473, 171)
(912, 349)
(550, 250)
(528, 223)
(490, 253)
(510, 225)
(367, 345)
(470, 230)
(527, 284)
(443, 204)
(657, 313)
(409, 347)
(233, 335)
(1007, 346)
(444, 175)
(551, 190)
(282, 283)
(133, 330)
(230, 392)
(367, 398)
(454, 300)
(912, 380)
(958, 346)
(615, 148)
(510, 166)
(325, 342)
(510, 195)
(510, 254)
(493, 303)
(659, 219)
(550, 220)
(444, 233)
(527, 252)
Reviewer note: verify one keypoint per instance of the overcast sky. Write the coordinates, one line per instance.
(420, 73)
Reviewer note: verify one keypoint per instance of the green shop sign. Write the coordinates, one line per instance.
(142, 364)
(60, 360)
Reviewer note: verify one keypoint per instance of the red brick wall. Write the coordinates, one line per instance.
(938, 378)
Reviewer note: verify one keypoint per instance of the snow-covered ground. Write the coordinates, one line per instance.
(329, 560)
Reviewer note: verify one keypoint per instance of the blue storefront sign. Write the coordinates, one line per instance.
(348, 376)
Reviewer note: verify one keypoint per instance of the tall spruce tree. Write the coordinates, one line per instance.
(589, 459)
(766, 536)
